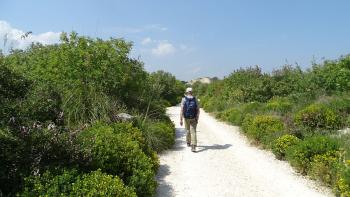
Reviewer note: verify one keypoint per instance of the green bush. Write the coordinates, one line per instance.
(325, 167)
(333, 76)
(214, 104)
(318, 116)
(342, 186)
(137, 135)
(263, 128)
(246, 124)
(281, 144)
(43, 104)
(301, 154)
(118, 154)
(158, 135)
(253, 108)
(10, 162)
(50, 184)
(248, 85)
(279, 104)
(232, 115)
(71, 183)
(97, 183)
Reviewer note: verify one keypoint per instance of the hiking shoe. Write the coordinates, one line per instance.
(193, 148)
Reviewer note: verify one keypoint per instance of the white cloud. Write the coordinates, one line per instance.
(163, 48)
(156, 27)
(146, 41)
(11, 37)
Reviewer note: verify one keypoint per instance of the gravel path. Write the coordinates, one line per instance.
(226, 165)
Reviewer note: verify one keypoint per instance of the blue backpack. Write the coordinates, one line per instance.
(190, 108)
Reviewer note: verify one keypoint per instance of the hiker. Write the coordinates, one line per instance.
(190, 111)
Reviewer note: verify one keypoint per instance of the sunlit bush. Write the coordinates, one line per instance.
(263, 128)
(325, 167)
(118, 154)
(279, 104)
(100, 184)
(281, 144)
(318, 116)
(301, 154)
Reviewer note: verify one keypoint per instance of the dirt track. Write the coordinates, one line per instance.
(226, 165)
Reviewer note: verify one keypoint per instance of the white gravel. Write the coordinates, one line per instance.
(226, 165)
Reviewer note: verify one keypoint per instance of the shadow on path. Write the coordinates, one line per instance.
(213, 147)
(164, 189)
(180, 144)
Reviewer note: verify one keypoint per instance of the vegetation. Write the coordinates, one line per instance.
(299, 115)
(60, 133)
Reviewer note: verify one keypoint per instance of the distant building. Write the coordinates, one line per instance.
(205, 80)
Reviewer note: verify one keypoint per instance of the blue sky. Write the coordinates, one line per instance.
(194, 38)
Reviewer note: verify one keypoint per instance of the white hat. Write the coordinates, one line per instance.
(188, 90)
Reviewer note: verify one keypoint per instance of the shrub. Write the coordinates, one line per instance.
(253, 108)
(158, 135)
(42, 104)
(71, 183)
(50, 184)
(246, 124)
(342, 186)
(325, 167)
(97, 183)
(137, 135)
(213, 104)
(282, 143)
(318, 116)
(279, 104)
(301, 154)
(232, 115)
(10, 156)
(118, 154)
(263, 128)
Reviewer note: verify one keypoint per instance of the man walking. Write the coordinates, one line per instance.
(190, 111)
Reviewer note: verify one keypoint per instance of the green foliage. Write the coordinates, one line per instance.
(309, 102)
(10, 155)
(118, 154)
(290, 81)
(333, 76)
(72, 183)
(159, 135)
(97, 183)
(317, 116)
(50, 184)
(89, 75)
(342, 186)
(247, 85)
(263, 128)
(281, 144)
(232, 115)
(13, 89)
(301, 154)
(279, 104)
(325, 167)
(50, 94)
(172, 89)
(140, 136)
(43, 104)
